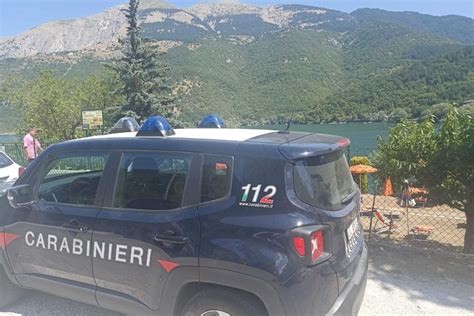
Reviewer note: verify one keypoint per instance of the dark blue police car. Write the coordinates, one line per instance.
(200, 221)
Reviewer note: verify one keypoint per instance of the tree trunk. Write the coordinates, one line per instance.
(469, 236)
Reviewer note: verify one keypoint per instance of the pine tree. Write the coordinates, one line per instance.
(142, 74)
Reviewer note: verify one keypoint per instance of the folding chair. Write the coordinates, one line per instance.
(387, 225)
(421, 232)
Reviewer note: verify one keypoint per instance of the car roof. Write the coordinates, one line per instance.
(290, 145)
(223, 134)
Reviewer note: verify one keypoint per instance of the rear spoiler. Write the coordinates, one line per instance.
(313, 145)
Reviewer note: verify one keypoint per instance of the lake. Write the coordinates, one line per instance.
(363, 136)
(7, 139)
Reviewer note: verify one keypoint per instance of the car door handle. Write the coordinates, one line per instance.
(170, 239)
(73, 225)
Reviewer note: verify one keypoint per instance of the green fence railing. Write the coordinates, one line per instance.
(15, 152)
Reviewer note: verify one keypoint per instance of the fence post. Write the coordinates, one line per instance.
(371, 217)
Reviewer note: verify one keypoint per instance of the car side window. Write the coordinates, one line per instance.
(216, 177)
(152, 180)
(72, 179)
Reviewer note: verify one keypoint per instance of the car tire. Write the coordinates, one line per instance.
(219, 302)
(9, 292)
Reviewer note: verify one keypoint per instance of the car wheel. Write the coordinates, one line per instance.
(218, 302)
(9, 292)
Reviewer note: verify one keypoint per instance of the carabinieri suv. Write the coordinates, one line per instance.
(204, 221)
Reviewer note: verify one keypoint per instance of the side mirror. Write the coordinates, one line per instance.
(20, 196)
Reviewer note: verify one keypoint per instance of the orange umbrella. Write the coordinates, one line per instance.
(360, 169)
(413, 190)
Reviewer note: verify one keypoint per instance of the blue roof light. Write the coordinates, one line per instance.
(156, 126)
(211, 121)
(125, 124)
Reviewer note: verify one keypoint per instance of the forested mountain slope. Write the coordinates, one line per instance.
(256, 65)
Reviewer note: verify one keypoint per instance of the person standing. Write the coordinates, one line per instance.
(31, 146)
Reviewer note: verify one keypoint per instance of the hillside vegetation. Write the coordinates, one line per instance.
(257, 65)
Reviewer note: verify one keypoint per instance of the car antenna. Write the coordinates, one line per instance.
(287, 129)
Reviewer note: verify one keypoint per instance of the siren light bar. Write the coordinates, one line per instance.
(211, 121)
(156, 126)
(125, 124)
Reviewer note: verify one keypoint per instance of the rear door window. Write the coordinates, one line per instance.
(324, 181)
(216, 178)
(152, 180)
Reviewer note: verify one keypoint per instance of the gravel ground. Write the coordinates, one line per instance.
(410, 281)
(402, 281)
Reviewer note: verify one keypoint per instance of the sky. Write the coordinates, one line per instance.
(17, 16)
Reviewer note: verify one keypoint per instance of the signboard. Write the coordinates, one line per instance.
(92, 120)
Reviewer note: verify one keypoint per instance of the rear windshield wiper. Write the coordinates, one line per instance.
(348, 197)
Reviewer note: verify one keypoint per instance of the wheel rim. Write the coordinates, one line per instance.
(215, 313)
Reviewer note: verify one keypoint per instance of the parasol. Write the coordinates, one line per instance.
(362, 169)
(387, 187)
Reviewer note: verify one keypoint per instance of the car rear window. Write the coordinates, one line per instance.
(4, 161)
(324, 181)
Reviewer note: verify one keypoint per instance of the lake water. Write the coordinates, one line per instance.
(7, 139)
(363, 136)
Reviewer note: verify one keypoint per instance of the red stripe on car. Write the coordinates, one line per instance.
(168, 266)
(6, 239)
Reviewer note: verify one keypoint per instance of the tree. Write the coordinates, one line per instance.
(438, 111)
(99, 92)
(48, 104)
(440, 159)
(450, 171)
(53, 104)
(143, 76)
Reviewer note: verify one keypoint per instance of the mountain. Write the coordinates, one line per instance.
(255, 64)
(454, 27)
(405, 92)
(98, 32)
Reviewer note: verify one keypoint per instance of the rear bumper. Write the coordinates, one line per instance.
(350, 299)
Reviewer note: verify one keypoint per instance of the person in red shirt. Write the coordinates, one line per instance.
(31, 146)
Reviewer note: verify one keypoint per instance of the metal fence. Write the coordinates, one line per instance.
(413, 219)
(15, 151)
(409, 217)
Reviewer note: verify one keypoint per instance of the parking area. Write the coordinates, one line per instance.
(402, 281)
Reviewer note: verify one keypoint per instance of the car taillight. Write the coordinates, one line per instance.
(21, 171)
(308, 242)
(300, 247)
(317, 245)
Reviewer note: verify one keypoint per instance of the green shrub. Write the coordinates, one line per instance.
(361, 179)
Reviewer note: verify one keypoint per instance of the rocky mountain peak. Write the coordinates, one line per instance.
(162, 22)
(220, 8)
(155, 4)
